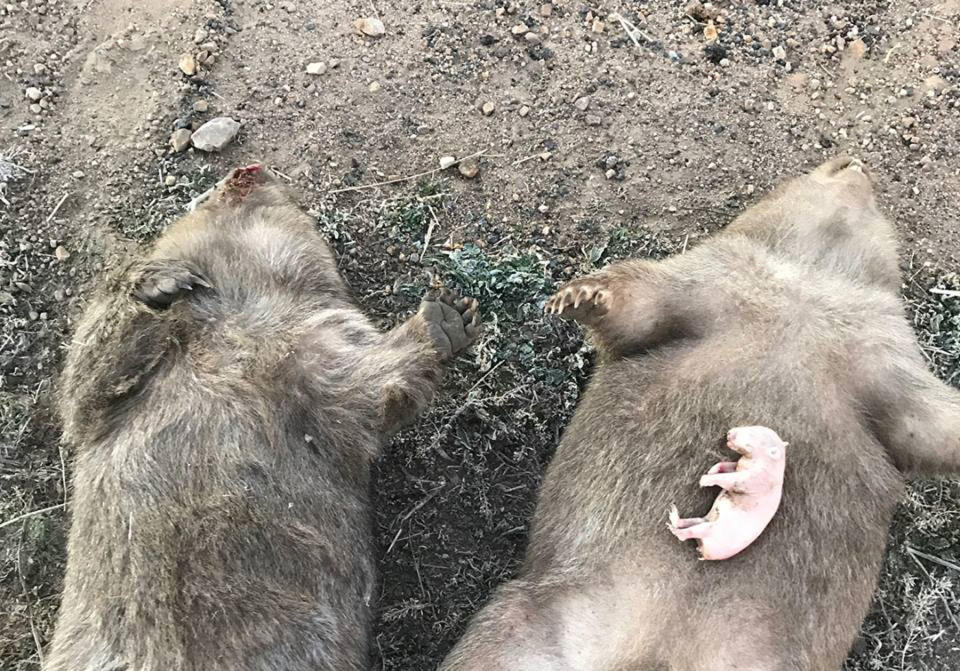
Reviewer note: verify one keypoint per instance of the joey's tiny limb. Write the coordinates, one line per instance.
(629, 306)
(160, 282)
(406, 365)
(723, 467)
(729, 481)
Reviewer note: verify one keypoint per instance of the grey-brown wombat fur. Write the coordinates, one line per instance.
(789, 318)
(225, 398)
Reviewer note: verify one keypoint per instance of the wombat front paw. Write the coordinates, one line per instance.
(452, 322)
(583, 300)
(162, 282)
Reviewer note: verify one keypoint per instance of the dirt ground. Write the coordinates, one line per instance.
(598, 145)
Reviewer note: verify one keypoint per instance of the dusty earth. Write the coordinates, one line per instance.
(596, 146)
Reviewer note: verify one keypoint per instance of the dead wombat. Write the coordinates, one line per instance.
(791, 319)
(226, 397)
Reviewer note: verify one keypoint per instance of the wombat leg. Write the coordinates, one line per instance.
(452, 323)
(913, 414)
(162, 281)
(628, 306)
(513, 632)
(406, 365)
(584, 300)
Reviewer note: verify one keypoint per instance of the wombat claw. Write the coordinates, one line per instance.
(161, 283)
(452, 322)
(582, 300)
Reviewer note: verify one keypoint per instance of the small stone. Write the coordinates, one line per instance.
(201, 106)
(33, 93)
(371, 26)
(180, 139)
(524, 111)
(447, 161)
(750, 189)
(908, 121)
(59, 294)
(200, 35)
(582, 103)
(170, 180)
(593, 120)
(6, 298)
(61, 253)
(597, 26)
(710, 33)
(289, 7)
(780, 53)
(316, 69)
(532, 38)
(215, 134)
(724, 62)
(188, 64)
(78, 174)
(519, 29)
(469, 168)
(610, 173)
(488, 108)
(546, 9)
(857, 49)
(35, 108)
(39, 68)
(374, 87)
(543, 208)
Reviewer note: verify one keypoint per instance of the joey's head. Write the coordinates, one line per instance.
(249, 236)
(827, 218)
(758, 443)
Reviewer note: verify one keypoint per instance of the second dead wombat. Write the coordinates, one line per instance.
(226, 398)
(791, 319)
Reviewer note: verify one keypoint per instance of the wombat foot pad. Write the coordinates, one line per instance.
(584, 300)
(452, 322)
(162, 282)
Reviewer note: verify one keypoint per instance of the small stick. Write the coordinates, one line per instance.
(630, 29)
(544, 155)
(20, 518)
(286, 177)
(886, 59)
(57, 208)
(913, 555)
(932, 558)
(407, 179)
(429, 235)
(950, 293)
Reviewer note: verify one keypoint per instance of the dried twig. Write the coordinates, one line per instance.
(33, 513)
(631, 29)
(949, 293)
(913, 555)
(886, 59)
(408, 178)
(543, 156)
(933, 558)
(57, 208)
(429, 235)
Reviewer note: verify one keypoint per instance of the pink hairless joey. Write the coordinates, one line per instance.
(752, 489)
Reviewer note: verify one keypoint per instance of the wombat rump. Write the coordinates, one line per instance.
(225, 398)
(791, 319)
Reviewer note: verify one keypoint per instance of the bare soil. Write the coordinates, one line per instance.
(598, 146)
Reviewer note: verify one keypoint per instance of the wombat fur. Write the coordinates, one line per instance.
(225, 398)
(790, 318)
